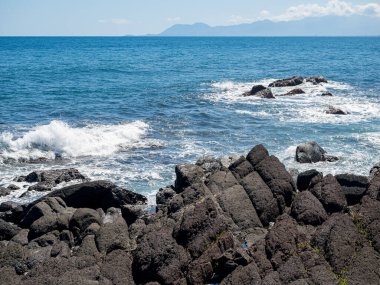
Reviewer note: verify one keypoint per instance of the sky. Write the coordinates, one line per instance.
(138, 17)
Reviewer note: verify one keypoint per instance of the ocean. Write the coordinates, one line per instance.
(128, 109)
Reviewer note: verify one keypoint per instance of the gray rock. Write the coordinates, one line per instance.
(354, 187)
(335, 111)
(316, 79)
(186, 175)
(8, 230)
(296, 91)
(312, 152)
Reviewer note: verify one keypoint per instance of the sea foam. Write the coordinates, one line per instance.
(59, 137)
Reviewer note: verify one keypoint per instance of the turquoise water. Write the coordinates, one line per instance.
(129, 109)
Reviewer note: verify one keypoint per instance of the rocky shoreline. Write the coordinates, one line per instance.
(237, 221)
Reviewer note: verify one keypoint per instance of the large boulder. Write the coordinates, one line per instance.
(292, 81)
(97, 194)
(312, 152)
(329, 193)
(354, 187)
(278, 179)
(307, 209)
(260, 91)
(187, 175)
(304, 179)
(257, 154)
(261, 197)
(8, 230)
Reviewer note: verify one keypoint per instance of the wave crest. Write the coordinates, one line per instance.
(59, 137)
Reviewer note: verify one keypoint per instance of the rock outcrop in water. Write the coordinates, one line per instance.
(238, 223)
(292, 81)
(335, 111)
(311, 152)
(260, 91)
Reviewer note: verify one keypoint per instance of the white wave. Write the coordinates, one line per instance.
(71, 142)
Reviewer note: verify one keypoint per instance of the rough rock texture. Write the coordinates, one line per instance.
(312, 152)
(240, 222)
(316, 79)
(354, 187)
(292, 81)
(260, 91)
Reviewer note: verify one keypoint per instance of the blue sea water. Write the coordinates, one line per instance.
(128, 109)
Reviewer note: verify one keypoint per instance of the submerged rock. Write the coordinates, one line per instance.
(335, 111)
(296, 91)
(311, 152)
(327, 94)
(292, 81)
(260, 91)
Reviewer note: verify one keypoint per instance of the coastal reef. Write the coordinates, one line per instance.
(224, 221)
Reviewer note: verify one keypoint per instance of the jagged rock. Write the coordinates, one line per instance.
(281, 183)
(304, 179)
(247, 275)
(292, 81)
(164, 195)
(311, 152)
(354, 187)
(260, 91)
(199, 226)
(186, 175)
(261, 197)
(210, 164)
(236, 204)
(117, 267)
(221, 180)
(82, 219)
(329, 193)
(307, 209)
(296, 91)
(374, 187)
(158, 257)
(339, 239)
(257, 154)
(282, 240)
(335, 111)
(241, 168)
(47, 179)
(97, 194)
(7, 230)
(316, 79)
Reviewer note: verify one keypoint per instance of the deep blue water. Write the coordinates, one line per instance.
(129, 109)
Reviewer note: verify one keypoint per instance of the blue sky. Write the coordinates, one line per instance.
(121, 17)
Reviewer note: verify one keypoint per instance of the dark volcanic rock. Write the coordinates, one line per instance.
(97, 194)
(257, 154)
(261, 197)
(247, 275)
(221, 180)
(327, 94)
(307, 209)
(47, 179)
(374, 171)
(296, 91)
(186, 175)
(312, 152)
(281, 183)
(304, 179)
(260, 91)
(158, 257)
(354, 187)
(316, 79)
(241, 168)
(7, 230)
(329, 193)
(335, 111)
(4, 191)
(292, 81)
(199, 226)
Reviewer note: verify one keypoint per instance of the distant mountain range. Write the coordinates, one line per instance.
(313, 26)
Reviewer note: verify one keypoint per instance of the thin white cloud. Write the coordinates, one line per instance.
(115, 21)
(333, 7)
(235, 19)
(174, 19)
